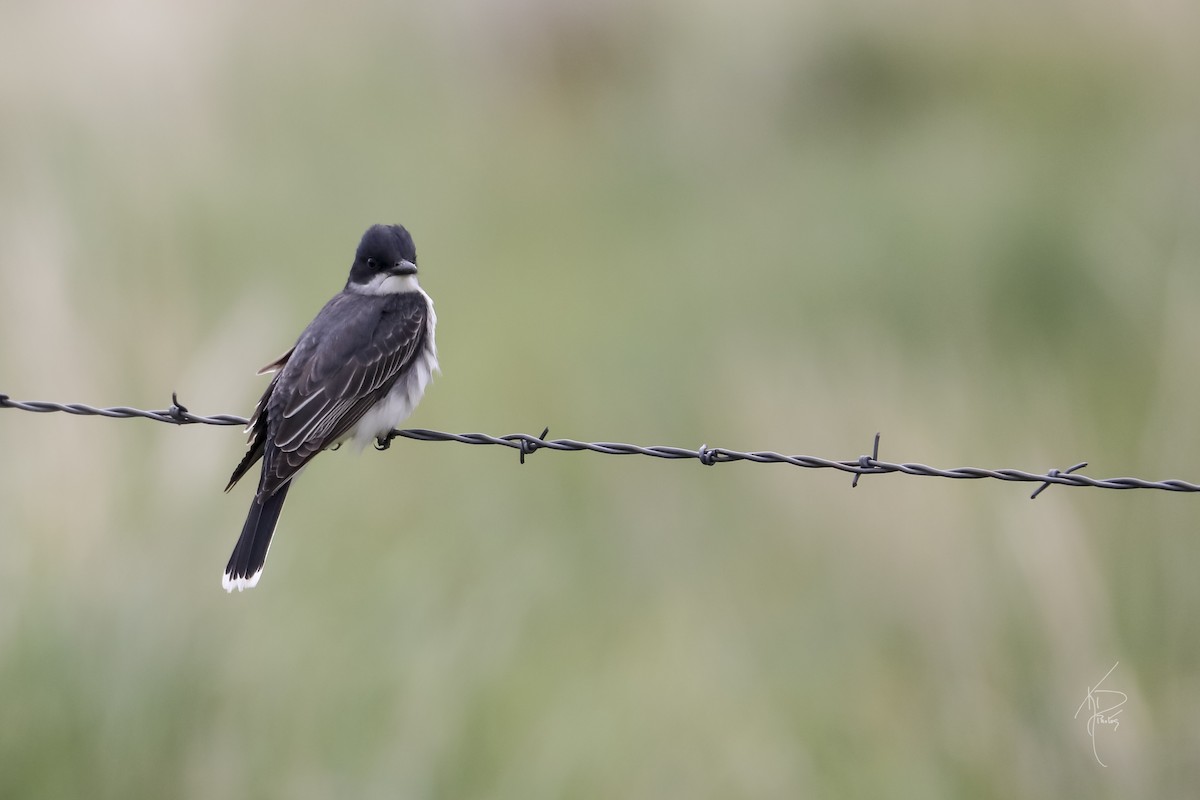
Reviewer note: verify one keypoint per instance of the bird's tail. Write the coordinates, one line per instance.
(250, 553)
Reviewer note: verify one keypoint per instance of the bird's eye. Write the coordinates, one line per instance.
(371, 263)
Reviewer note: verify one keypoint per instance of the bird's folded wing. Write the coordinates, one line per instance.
(330, 383)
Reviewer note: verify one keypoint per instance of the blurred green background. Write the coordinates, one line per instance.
(761, 225)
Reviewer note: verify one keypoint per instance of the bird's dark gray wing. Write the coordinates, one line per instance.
(346, 360)
(257, 426)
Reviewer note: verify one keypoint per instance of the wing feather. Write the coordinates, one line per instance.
(332, 379)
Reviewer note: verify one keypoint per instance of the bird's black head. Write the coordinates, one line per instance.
(385, 250)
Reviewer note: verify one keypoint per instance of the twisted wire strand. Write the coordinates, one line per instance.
(527, 444)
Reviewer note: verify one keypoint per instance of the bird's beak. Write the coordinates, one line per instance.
(403, 267)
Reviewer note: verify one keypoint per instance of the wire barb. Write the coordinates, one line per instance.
(867, 463)
(526, 445)
(1054, 474)
(177, 410)
(529, 444)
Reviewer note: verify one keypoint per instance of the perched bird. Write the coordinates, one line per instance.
(358, 370)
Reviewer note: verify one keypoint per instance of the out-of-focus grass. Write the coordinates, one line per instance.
(785, 227)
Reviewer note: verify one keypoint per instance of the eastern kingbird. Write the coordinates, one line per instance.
(357, 371)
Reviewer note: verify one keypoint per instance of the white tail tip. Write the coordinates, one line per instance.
(229, 583)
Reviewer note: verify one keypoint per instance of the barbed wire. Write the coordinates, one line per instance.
(527, 444)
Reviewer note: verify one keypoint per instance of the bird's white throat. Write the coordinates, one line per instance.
(383, 283)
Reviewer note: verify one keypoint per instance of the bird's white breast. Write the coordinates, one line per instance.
(408, 390)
